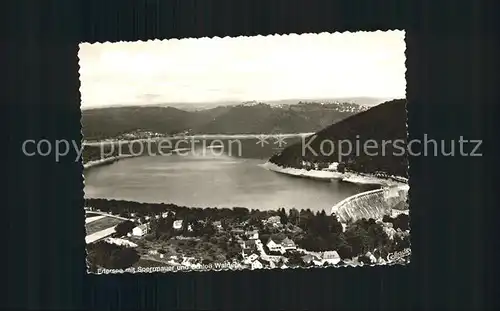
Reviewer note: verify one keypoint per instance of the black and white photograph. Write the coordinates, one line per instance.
(266, 152)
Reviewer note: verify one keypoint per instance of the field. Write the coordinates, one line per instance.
(101, 224)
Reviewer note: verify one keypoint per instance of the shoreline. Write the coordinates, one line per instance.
(325, 175)
(200, 136)
(109, 160)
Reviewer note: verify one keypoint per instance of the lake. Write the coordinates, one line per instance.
(211, 180)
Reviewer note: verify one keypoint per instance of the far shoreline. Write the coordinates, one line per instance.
(350, 177)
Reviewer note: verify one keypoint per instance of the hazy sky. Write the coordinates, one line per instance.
(305, 66)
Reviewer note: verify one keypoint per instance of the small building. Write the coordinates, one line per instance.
(273, 220)
(256, 265)
(252, 235)
(274, 246)
(288, 244)
(164, 215)
(217, 224)
(252, 257)
(140, 230)
(331, 257)
(307, 259)
(177, 224)
(249, 244)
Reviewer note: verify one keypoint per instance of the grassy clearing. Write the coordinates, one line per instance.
(101, 224)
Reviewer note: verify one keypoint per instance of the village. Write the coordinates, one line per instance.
(167, 240)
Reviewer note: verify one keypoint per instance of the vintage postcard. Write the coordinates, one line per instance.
(266, 152)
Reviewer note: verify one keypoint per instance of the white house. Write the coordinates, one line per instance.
(273, 220)
(140, 230)
(164, 215)
(331, 257)
(257, 265)
(273, 246)
(252, 235)
(333, 166)
(251, 258)
(177, 224)
(147, 217)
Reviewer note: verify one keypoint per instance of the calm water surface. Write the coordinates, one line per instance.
(211, 181)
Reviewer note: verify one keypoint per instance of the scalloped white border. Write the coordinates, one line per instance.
(396, 263)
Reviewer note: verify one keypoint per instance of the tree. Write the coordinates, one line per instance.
(402, 221)
(341, 167)
(334, 225)
(111, 256)
(124, 228)
(283, 216)
(294, 216)
(295, 259)
(357, 238)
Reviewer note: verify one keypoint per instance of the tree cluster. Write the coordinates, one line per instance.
(111, 256)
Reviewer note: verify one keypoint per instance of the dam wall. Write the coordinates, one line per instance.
(371, 204)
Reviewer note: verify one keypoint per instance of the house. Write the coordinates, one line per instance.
(250, 244)
(177, 224)
(257, 265)
(331, 257)
(307, 259)
(132, 214)
(140, 230)
(252, 235)
(217, 224)
(333, 167)
(147, 217)
(251, 258)
(288, 244)
(190, 228)
(273, 220)
(164, 215)
(274, 246)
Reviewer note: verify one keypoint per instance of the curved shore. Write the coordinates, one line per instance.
(355, 178)
(109, 160)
